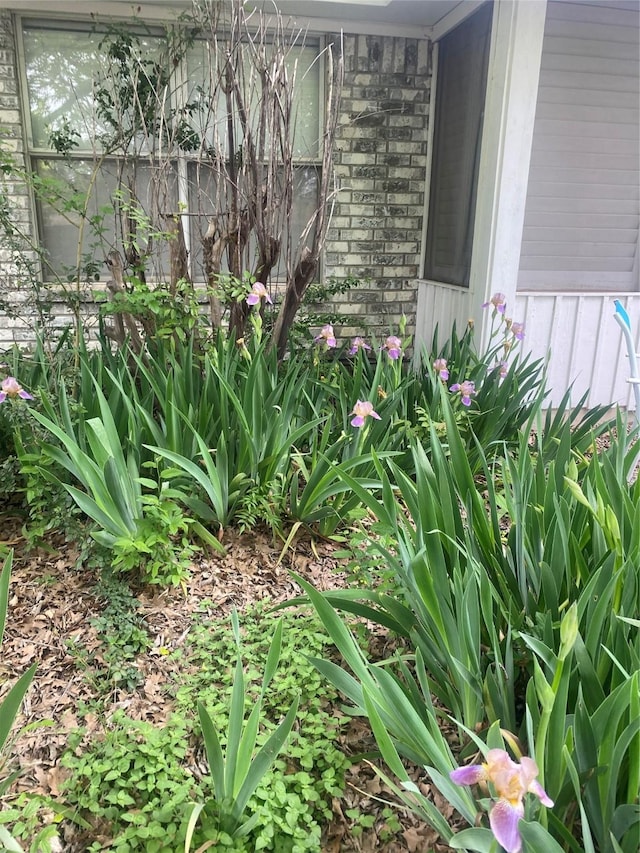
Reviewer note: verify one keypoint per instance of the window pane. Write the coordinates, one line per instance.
(206, 197)
(61, 67)
(303, 68)
(68, 70)
(460, 94)
(88, 223)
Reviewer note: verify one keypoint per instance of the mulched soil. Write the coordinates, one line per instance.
(52, 603)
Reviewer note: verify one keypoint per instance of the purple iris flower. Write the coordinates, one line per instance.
(11, 388)
(393, 347)
(466, 389)
(511, 782)
(258, 292)
(440, 367)
(326, 335)
(517, 330)
(499, 302)
(363, 410)
(358, 344)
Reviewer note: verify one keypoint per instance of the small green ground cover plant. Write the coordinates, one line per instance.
(133, 785)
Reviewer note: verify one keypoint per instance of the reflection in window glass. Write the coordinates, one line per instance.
(206, 197)
(84, 221)
(211, 119)
(64, 70)
(61, 67)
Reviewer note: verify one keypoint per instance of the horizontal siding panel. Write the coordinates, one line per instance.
(585, 31)
(585, 145)
(603, 65)
(541, 204)
(565, 253)
(589, 236)
(536, 280)
(584, 96)
(582, 215)
(626, 14)
(570, 206)
(585, 112)
(595, 129)
(590, 160)
(601, 221)
(577, 264)
(608, 82)
(592, 46)
(612, 177)
(593, 192)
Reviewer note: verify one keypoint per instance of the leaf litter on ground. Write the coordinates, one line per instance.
(53, 604)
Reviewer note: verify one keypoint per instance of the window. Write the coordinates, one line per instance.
(114, 162)
(459, 105)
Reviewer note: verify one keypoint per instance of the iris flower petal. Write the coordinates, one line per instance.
(363, 409)
(258, 292)
(503, 820)
(536, 788)
(469, 775)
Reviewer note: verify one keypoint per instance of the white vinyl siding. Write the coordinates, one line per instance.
(582, 213)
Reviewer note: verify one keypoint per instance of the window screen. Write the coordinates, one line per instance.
(460, 94)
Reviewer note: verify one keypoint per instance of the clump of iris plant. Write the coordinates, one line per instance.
(10, 389)
(362, 410)
(466, 389)
(440, 367)
(511, 781)
(393, 346)
(358, 344)
(258, 293)
(326, 336)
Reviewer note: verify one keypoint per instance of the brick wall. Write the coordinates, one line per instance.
(380, 164)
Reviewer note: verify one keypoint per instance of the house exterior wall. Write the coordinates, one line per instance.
(582, 223)
(584, 346)
(380, 167)
(584, 52)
